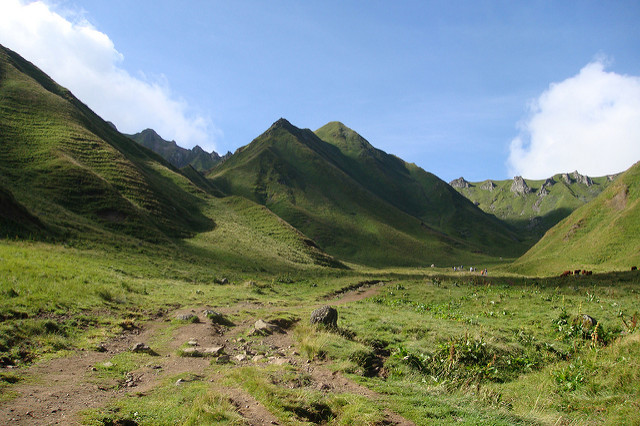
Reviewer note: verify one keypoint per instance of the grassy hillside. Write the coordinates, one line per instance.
(535, 206)
(601, 235)
(326, 194)
(418, 193)
(68, 174)
(76, 173)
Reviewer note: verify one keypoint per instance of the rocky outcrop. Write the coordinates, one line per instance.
(583, 179)
(459, 183)
(519, 186)
(488, 185)
(544, 189)
(566, 178)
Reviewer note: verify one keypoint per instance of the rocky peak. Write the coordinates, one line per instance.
(519, 186)
(543, 191)
(583, 179)
(566, 178)
(488, 185)
(459, 183)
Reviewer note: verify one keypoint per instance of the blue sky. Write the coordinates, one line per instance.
(480, 89)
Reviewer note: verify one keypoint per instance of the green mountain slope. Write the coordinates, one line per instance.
(73, 170)
(66, 174)
(320, 190)
(417, 192)
(602, 235)
(180, 157)
(533, 206)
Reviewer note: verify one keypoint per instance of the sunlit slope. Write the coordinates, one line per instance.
(601, 235)
(310, 183)
(421, 194)
(537, 208)
(76, 173)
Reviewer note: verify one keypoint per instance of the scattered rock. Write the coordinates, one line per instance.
(326, 315)
(192, 343)
(279, 361)
(141, 348)
(187, 317)
(214, 350)
(263, 328)
(566, 178)
(100, 348)
(258, 358)
(107, 364)
(240, 357)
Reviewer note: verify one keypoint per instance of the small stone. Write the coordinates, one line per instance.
(192, 343)
(240, 357)
(222, 359)
(186, 317)
(180, 381)
(258, 358)
(140, 347)
(107, 364)
(214, 350)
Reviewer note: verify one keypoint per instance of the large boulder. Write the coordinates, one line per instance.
(326, 315)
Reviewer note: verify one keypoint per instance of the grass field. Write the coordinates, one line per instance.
(426, 346)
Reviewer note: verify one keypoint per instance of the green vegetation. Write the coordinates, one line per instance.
(602, 235)
(339, 200)
(536, 210)
(103, 242)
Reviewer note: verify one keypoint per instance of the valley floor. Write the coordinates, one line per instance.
(411, 347)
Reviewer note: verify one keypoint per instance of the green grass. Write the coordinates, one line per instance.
(331, 198)
(532, 214)
(601, 236)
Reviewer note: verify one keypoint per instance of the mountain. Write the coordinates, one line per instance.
(533, 206)
(602, 235)
(68, 175)
(180, 157)
(72, 170)
(359, 203)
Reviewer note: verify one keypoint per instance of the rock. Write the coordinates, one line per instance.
(214, 350)
(519, 186)
(459, 183)
(187, 317)
(107, 364)
(566, 178)
(611, 178)
(100, 348)
(223, 359)
(258, 358)
(544, 191)
(240, 357)
(141, 348)
(488, 185)
(586, 321)
(279, 361)
(326, 315)
(585, 180)
(180, 381)
(224, 281)
(263, 328)
(191, 352)
(192, 343)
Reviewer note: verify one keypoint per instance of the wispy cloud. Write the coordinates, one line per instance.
(589, 122)
(85, 60)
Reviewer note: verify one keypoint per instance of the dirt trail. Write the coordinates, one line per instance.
(56, 390)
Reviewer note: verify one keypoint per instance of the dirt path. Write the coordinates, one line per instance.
(56, 390)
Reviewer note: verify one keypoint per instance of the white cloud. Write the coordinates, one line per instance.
(85, 60)
(589, 122)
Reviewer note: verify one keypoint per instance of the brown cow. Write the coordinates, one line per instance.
(565, 273)
(634, 268)
(576, 272)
